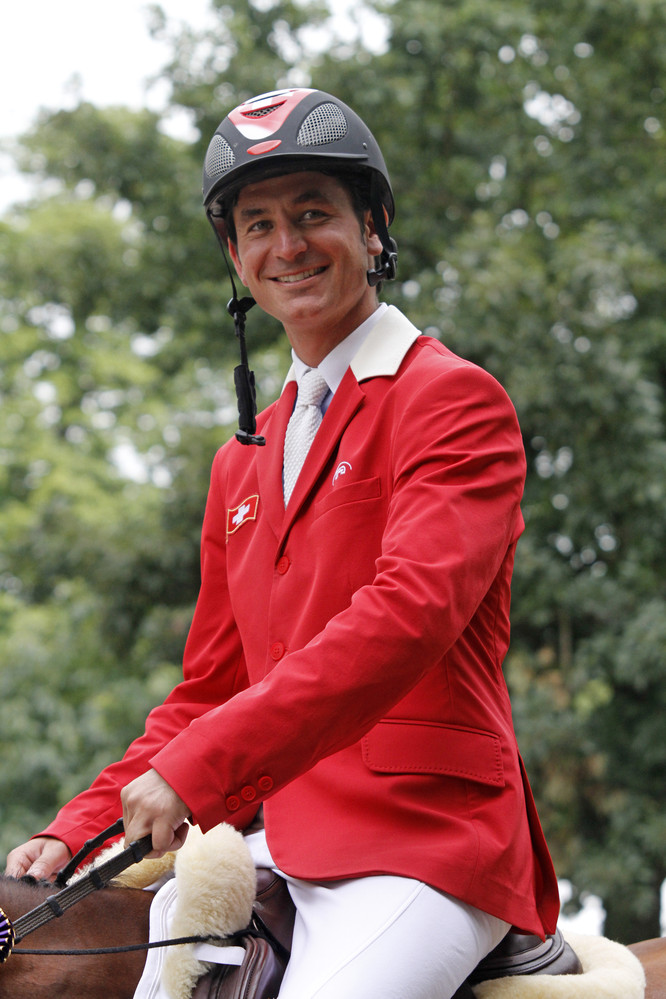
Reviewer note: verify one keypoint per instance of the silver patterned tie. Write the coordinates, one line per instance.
(302, 426)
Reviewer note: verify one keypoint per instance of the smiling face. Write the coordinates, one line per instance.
(304, 255)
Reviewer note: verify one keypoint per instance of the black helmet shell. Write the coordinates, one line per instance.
(291, 129)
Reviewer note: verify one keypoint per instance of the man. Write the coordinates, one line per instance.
(344, 661)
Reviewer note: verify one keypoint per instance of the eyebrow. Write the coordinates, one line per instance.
(312, 194)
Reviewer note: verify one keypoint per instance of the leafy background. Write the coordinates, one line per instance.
(525, 142)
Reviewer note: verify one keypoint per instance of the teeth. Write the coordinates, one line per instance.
(292, 278)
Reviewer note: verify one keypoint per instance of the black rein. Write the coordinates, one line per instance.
(98, 877)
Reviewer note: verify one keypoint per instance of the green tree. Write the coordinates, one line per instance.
(115, 379)
(527, 152)
(525, 142)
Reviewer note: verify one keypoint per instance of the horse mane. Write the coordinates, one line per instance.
(20, 895)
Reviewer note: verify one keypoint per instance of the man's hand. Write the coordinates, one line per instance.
(150, 805)
(41, 858)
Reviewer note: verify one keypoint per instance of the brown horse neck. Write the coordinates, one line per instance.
(652, 955)
(111, 917)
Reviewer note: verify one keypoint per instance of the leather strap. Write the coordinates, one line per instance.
(55, 905)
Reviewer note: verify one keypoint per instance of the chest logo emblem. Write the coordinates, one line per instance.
(241, 514)
(342, 469)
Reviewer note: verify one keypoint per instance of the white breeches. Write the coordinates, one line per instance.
(379, 937)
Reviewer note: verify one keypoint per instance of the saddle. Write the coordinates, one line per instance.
(268, 939)
(266, 947)
(523, 954)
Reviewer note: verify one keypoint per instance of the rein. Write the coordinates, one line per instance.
(12, 933)
(55, 905)
(233, 938)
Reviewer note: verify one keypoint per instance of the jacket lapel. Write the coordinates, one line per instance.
(380, 355)
(269, 458)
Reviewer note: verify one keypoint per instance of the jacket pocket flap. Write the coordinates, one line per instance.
(352, 492)
(410, 747)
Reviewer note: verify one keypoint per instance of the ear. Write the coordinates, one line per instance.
(233, 252)
(372, 240)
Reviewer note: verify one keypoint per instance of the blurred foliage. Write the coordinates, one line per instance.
(525, 142)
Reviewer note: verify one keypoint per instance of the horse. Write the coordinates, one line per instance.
(652, 955)
(112, 916)
(118, 917)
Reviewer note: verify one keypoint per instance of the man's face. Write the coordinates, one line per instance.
(304, 255)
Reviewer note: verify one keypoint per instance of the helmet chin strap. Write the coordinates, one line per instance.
(246, 393)
(386, 264)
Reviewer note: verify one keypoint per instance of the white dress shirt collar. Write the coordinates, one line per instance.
(336, 362)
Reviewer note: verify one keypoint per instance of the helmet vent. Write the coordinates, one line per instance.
(262, 112)
(325, 124)
(219, 158)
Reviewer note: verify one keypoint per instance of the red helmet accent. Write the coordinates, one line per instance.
(264, 147)
(264, 115)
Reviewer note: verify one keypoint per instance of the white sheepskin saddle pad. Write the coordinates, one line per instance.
(610, 971)
(211, 894)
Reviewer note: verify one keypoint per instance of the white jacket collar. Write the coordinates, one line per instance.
(383, 350)
(387, 343)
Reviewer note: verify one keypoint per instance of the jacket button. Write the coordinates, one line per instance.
(277, 650)
(233, 803)
(283, 564)
(248, 793)
(265, 783)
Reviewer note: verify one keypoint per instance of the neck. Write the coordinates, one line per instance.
(313, 345)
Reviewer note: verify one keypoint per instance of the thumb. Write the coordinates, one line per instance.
(53, 856)
(39, 871)
(165, 838)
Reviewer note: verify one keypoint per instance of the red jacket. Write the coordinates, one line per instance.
(344, 663)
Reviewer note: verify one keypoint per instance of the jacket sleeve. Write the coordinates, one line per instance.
(457, 471)
(212, 674)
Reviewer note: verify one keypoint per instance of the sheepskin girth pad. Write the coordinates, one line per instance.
(216, 883)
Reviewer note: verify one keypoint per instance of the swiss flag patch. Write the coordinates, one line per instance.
(247, 510)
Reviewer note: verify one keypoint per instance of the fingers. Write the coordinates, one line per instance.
(18, 862)
(151, 806)
(166, 839)
(41, 858)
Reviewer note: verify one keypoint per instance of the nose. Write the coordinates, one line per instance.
(290, 241)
